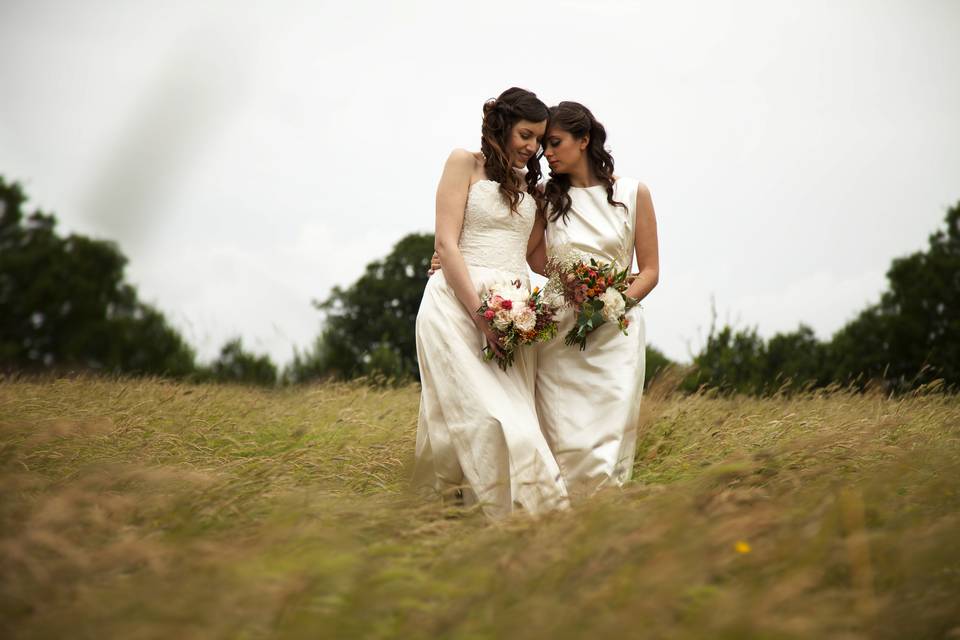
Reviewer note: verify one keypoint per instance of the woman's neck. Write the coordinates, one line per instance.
(583, 176)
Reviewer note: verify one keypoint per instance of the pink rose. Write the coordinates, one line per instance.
(489, 313)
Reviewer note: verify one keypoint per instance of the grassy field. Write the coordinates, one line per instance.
(146, 509)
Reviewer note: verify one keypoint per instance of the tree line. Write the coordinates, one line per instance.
(65, 306)
(909, 338)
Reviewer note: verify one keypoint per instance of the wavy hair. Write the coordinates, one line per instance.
(578, 121)
(499, 116)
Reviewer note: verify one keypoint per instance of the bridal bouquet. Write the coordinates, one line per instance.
(518, 317)
(596, 291)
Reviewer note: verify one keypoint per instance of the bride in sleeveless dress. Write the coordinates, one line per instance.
(588, 401)
(478, 430)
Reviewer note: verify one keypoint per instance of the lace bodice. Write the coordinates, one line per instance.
(492, 235)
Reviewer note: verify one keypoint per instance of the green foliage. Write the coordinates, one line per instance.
(795, 360)
(64, 303)
(732, 361)
(913, 333)
(313, 364)
(369, 326)
(910, 337)
(655, 362)
(860, 350)
(740, 361)
(234, 365)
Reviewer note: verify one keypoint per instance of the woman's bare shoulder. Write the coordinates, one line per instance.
(464, 161)
(465, 158)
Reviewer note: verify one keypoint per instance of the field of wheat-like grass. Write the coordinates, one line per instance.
(147, 509)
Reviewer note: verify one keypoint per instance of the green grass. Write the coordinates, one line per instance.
(146, 509)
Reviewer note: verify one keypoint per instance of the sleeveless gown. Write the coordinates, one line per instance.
(478, 427)
(589, 401)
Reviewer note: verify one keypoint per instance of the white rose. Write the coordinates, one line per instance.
(613, 304)
(525, 319)
(502, 319)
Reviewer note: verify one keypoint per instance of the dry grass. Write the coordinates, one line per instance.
(144, 509)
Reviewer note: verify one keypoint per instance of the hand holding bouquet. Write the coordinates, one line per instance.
(596, 291)
(517, 318)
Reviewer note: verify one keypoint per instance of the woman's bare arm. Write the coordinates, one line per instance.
(537, 247)
(646, 247)
(451, 202)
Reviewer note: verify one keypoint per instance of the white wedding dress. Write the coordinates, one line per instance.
(589, 401)
(478, 427)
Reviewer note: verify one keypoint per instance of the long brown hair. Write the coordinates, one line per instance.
(499, 116)
(578, 121)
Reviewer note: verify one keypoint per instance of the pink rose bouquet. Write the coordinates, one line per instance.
(517, 317)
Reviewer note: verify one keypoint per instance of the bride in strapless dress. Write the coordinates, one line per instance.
(478, 431)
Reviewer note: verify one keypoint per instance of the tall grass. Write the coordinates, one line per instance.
(145, 509)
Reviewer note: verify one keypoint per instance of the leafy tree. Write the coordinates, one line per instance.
(369, 326)
(234, 365)
(656, 362)
(64, 303)
(795, 360)
(313, 364)
(732, 361)
(740, 361)
(913, 333)
(860, 350)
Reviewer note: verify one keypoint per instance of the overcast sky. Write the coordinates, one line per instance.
(248, 156)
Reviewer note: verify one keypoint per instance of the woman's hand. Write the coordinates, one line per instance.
(434, 264)
(482, 324)
(492, 341)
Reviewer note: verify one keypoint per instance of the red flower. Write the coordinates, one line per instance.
(507, 304)
(488, 314)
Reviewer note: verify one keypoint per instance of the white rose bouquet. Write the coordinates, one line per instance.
(596, 291)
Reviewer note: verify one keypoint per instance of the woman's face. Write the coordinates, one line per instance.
(563, 151)
(524, 142)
